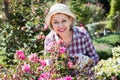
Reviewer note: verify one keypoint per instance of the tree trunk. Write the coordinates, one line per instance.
(6, 8)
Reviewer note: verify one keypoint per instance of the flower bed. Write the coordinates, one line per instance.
(57, 65)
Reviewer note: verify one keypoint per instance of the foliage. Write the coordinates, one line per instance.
(87, 13)
(25, 29)
(113, 12)
(55, 65)
(109, 69)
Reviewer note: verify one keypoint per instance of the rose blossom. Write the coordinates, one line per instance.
(68, 78)
(42, 62)
(33, 58)
(20, 54)
(26, 68)
(70, 64)
(62, 50)
(44, 76)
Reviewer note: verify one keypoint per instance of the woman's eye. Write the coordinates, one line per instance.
(55, 22)
(64, 20)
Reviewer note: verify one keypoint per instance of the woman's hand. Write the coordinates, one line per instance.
(84, 61)
(89, 64)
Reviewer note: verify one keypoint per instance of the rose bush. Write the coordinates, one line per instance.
(57, 65)
(53, 65)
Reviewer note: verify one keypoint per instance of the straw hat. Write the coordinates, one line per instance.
(59, 8)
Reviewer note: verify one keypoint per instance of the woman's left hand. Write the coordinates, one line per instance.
(84, 61)
(89, 64)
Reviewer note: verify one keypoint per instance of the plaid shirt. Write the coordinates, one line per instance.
(81, 43)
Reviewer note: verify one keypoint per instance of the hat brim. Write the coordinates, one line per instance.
(49, 15)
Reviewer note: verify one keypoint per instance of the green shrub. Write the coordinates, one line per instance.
(105, 54)
(103, 50)
(114, 7)
(104, 44)
(86, 13)
(112, 39)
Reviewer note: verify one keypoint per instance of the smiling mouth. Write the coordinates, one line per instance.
(61, 30)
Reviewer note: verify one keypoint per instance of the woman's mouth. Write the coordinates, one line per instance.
(61, 30)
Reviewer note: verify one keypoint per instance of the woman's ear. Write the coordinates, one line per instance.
(71, 19)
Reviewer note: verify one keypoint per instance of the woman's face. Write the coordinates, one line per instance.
(61, 23)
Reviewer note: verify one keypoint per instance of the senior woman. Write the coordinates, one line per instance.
(76, 40)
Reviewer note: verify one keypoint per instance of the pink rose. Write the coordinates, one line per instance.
(42, 62)
(70, 64)
(26, 68)
(68, 78)
(62, 50)
(44, 76)
(20, 54)
(33, 58)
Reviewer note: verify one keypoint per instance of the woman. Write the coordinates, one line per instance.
(75, 39)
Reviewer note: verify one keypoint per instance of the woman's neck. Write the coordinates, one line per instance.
(67, 37)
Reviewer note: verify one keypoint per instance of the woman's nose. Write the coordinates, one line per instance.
(60, 25)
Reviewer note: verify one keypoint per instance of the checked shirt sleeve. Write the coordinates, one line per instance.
(90, 49)
(48, 42)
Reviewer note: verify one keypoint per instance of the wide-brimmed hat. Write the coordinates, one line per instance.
(59, 8)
